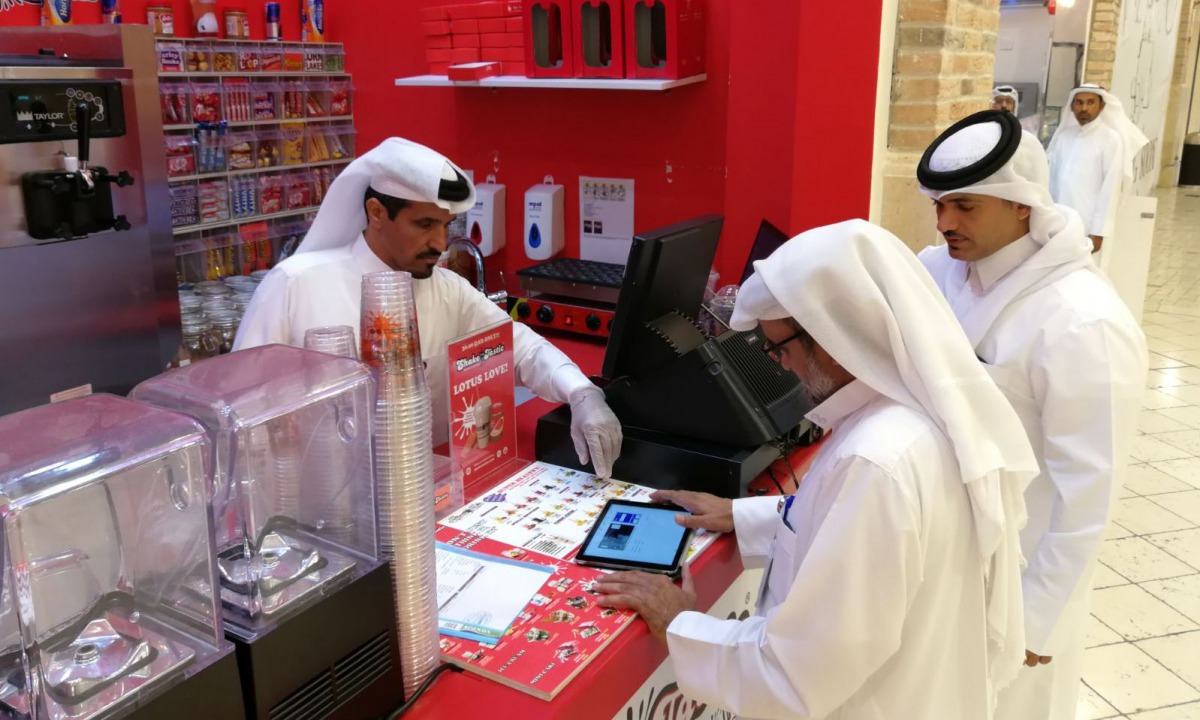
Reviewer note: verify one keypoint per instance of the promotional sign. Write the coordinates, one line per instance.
(482, 383)
(605, 219)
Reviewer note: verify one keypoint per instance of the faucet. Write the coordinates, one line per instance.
(472, 269)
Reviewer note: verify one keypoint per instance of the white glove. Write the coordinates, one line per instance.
(595, 430)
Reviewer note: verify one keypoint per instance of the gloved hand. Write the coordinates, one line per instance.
(595, 429)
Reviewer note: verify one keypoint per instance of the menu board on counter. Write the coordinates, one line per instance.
(550, 509)
(552, 638)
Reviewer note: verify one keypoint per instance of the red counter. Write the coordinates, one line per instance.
(613, 676)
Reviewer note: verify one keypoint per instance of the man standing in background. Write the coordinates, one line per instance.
(1091, 163)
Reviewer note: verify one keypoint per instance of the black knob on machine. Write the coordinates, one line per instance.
(592, 321)
(545, 313)
(523, 310)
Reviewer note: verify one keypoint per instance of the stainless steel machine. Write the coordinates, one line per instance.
(87, 271)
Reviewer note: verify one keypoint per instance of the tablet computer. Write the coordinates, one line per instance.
(636, 536)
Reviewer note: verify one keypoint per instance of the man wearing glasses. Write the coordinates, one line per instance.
(892, 581)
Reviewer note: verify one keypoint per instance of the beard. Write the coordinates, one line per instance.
(818, 385)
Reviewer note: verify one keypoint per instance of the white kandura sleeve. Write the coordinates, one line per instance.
(1103, 220)
(1086, 407)
(754, 523)
(817, 648)
(540, 366)
(267, 317)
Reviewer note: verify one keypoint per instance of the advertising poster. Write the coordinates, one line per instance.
(482, 383)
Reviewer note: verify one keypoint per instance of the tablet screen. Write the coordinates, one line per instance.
(636, 533)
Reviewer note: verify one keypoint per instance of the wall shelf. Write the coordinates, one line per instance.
(187, 229)
(257, 123)
(255, 74)
(518, 81)
(255, 171)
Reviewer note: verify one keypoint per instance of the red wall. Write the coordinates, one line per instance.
(134, 11)
(782, 128)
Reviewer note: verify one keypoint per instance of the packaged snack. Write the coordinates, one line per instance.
(270, 194)
(241, 151)
(181, 155)
(339, 98)
(206, 102)
(293, 143)
(175, 101)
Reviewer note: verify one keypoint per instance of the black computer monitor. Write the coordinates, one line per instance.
(766, 241)
(666, 375)
(667, 271)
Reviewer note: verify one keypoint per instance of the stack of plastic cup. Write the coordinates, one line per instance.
(327, 498)
(332, 339)
(403, 465)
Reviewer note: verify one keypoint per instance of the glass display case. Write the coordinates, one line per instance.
(293, 495)
(108, 557)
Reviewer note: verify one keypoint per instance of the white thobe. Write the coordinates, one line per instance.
(872, 604)
(1085, 174)
(320, 288)
(1072, 361)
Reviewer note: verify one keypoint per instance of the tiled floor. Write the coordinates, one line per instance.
(1143, 657)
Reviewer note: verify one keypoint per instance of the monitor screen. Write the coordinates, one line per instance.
(767, 241)
(667, 271)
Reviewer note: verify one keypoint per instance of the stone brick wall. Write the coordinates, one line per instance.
(942, 71)
(1182, 77)
(1102, 42)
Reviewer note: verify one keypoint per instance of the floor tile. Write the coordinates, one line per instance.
(1159, 361)
(1178, 653)
(1186, 440)
(1104, 576)
(1097, 633)
(1186, 375)
(1115, 531)
(1188, 415)
(1142, 516)
(1159, 400)
(1160, 345)
(1181, 593)
(1185, 469)
(1093, 707)
(1148, 449)
(1138, 615)
(1152, 421)
(1186, 357)
(1189, 711)
(1184, 545)
(1132, 681)
(1184, 504)
(1149, 480)
(1139, 560)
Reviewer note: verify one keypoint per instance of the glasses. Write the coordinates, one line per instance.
(772, 348)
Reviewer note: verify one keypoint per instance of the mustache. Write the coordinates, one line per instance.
(433, 254)
(954, 236)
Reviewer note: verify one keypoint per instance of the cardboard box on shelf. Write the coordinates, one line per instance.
(549, 45)
(465, 41)
(599, 46)
(492, 25)
(438, 41)
(464, 27)
(438, 55)
(502, 40)
(514, 24)
(682, 34)
(473, 71)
